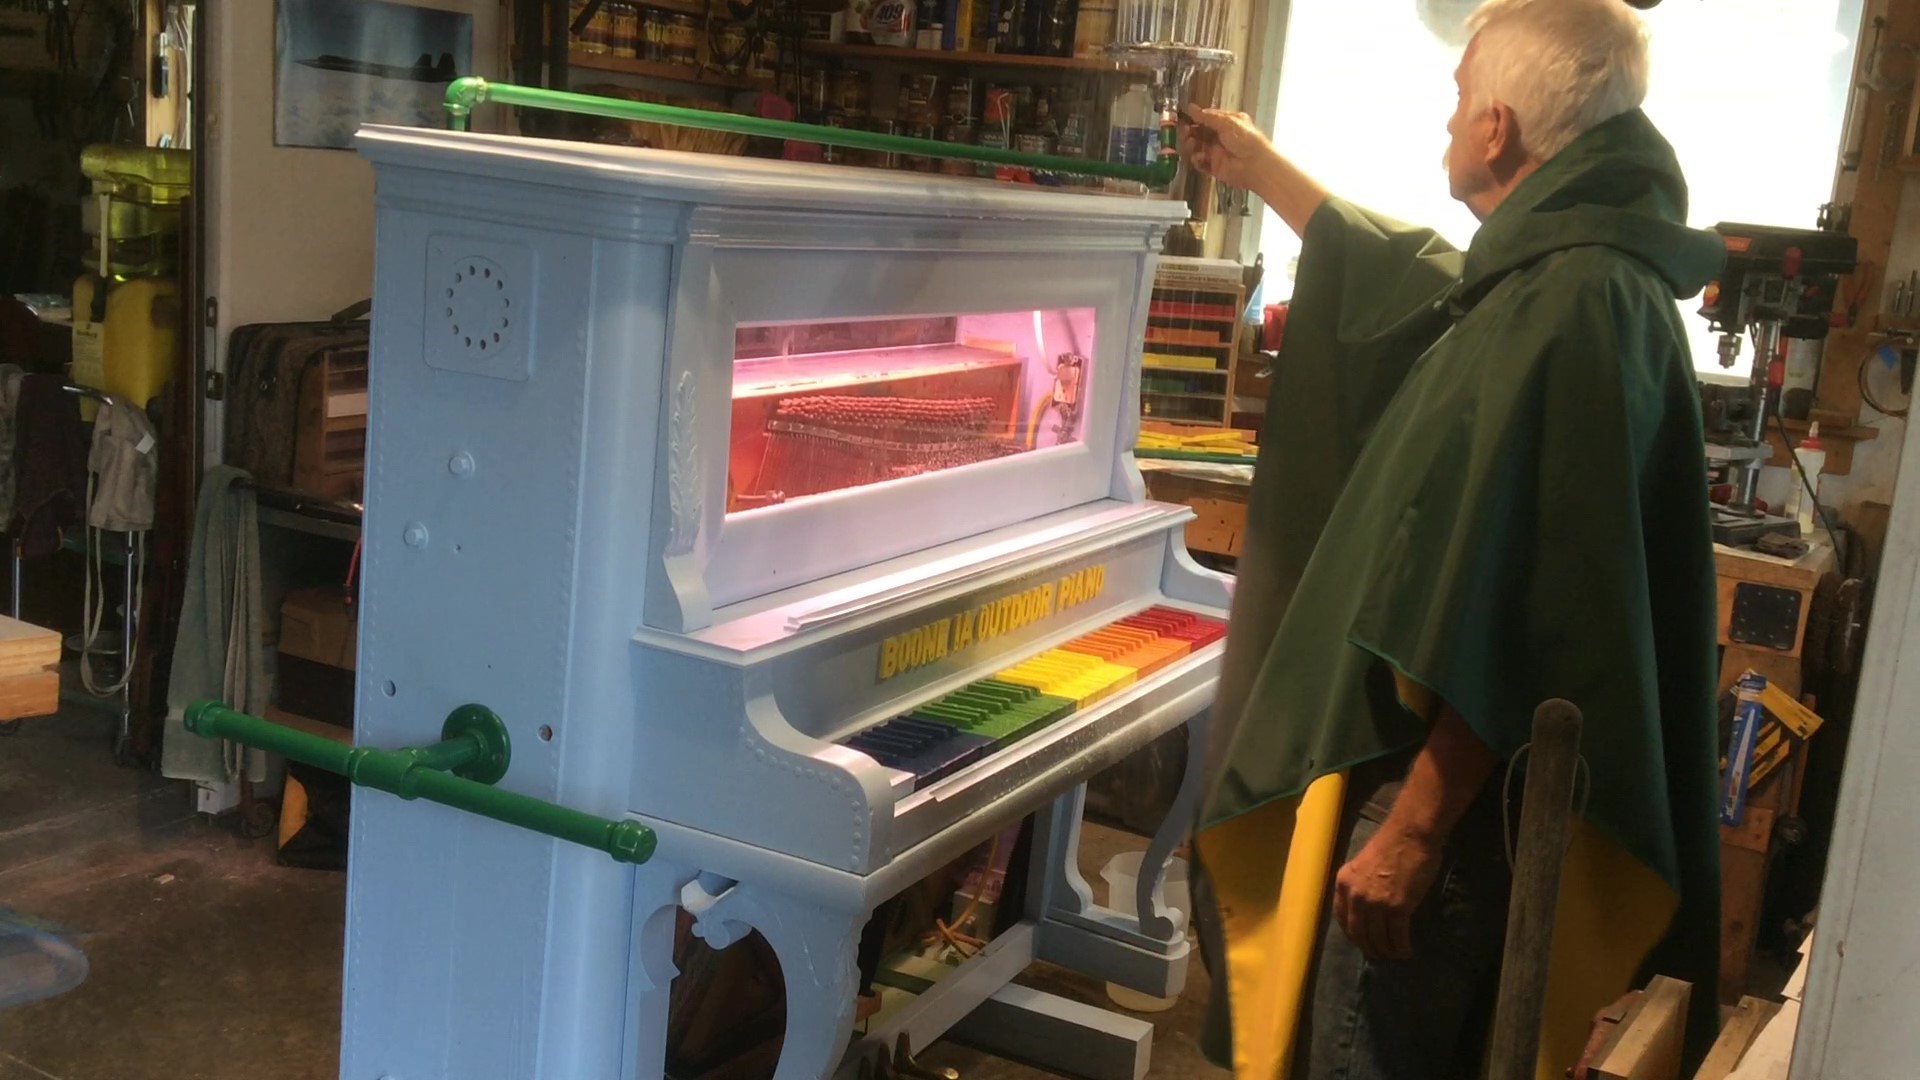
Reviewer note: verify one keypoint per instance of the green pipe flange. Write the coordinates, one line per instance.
(490, 732)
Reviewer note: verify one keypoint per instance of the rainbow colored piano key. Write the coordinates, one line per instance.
(945, 735)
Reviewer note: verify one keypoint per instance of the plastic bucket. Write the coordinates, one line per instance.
(1122, 875)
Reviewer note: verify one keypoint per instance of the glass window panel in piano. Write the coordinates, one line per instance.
(834, 404)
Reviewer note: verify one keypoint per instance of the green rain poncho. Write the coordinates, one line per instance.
(1484, 471)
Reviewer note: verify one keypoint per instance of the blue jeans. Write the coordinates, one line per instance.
(1426, 1018)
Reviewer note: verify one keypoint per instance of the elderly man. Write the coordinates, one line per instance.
(1481, 486)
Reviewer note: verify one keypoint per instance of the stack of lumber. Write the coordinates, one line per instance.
(1641, 1036)
(29, 670)
(1762, 1048)
(1189, 440)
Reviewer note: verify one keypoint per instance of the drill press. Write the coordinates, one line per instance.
(1778, 284)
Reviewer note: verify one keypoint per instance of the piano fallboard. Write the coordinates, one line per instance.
(1042, 655)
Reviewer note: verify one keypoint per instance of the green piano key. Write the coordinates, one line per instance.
(993, 703)
(1008, 692)
(960, 714)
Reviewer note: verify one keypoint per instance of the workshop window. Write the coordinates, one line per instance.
(1752, 94)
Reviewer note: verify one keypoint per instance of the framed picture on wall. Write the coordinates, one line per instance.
(342, 63)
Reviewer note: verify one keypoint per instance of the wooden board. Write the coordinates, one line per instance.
(1803, 573)
(1840, 442)
(26, 649)
(1646, 1045)
(1781, 669)
(325, 730)
(1754, 832)
(1735, 1037)
(1772, 1049)
(1745, 855)
(37, 694)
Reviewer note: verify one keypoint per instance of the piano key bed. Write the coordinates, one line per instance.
(949, 733)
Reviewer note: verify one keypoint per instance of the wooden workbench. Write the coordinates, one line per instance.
(1767, 644)
(1763, 611)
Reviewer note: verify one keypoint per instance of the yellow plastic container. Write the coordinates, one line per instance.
(128, 354)
(129, 351)
(150, 176)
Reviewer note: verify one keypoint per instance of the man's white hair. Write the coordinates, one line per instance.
(1562, 66)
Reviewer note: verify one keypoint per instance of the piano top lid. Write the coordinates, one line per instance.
(804, 614)
(757, 183)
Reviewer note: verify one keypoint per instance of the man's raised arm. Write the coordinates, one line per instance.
(1227, 147)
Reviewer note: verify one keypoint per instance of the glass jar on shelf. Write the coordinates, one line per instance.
(734, 43)
(596, 37)
(624, 37)
(960, 100)
(683, 40)
(815, 96)
(1039, 133)
(656, 28)
(851, 90)
(765, 61)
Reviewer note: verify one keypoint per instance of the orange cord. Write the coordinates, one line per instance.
(1033, 422)
(954, 938)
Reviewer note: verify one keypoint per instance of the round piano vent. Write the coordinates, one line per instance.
(478, 307)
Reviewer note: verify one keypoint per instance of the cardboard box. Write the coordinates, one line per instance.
(1220, 507)
(318, 639)
(317, 625)
(29, 670)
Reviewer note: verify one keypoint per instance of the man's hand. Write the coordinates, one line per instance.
(1375, 895)
(1227, 147)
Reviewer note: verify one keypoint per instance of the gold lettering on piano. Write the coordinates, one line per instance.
(915, 648)
(923, 645)
(1010, 613)
(1082, 586)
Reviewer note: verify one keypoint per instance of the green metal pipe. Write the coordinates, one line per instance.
(475, 746)
(466, 93)
(450, 756)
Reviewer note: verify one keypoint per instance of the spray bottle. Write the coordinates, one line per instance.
(1812, 457)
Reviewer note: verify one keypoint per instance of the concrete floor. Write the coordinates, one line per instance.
(208, 961)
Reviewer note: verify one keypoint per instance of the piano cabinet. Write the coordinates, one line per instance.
(789, 510)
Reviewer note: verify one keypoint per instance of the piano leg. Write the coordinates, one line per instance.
(656, 915)
(1056, 857)
(1155, 919)
(816, 947)
(1144, 953)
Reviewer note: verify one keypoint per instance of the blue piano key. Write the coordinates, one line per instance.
(887, 735)
(949, 757)
(917, 725)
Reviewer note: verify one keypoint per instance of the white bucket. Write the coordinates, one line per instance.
(1122, 874)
